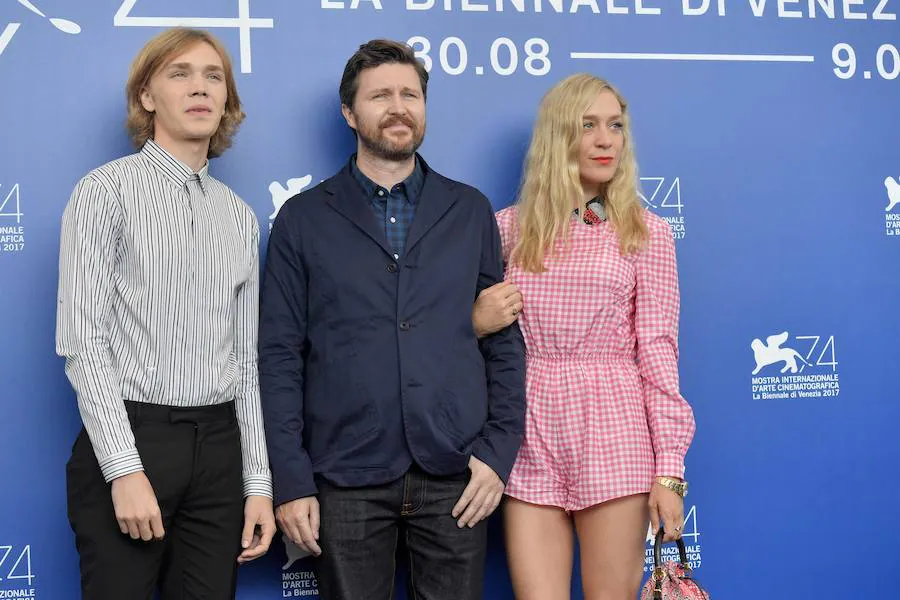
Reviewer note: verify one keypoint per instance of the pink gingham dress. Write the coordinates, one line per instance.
(604, 414)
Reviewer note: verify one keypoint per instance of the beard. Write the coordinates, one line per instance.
(373, 138)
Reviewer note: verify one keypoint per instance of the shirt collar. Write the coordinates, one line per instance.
(595, 206)
(177, 172)
(412, 185)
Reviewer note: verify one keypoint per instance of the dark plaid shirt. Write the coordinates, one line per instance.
(396, 207)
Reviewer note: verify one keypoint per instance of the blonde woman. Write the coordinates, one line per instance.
(606, 427)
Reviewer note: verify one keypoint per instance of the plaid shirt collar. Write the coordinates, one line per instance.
(411, 186)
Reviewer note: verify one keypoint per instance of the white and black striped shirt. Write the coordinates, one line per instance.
(158, 303)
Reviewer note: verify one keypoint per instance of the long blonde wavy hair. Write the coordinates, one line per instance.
(551, 182)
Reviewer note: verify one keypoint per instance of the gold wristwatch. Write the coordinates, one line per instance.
(679, 487)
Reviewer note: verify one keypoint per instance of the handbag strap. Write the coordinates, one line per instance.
(657, 550)
(657, 560)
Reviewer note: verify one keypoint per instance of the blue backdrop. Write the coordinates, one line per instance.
(767, 134)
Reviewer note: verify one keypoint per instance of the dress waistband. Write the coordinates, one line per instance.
(599, 357)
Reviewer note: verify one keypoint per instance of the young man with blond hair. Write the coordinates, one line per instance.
(168, 483)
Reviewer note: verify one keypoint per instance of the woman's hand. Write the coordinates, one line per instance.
(495, 308)
(669, 506)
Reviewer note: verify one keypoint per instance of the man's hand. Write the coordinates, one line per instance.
(259, 527)
(299, 520)
(481, 497)
(137, 510)
(495, 308)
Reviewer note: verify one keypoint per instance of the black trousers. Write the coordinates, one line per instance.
(361, 527)
(192, 457)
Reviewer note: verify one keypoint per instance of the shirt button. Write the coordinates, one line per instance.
(404, 326)
(392, 268)
(396, 257)
(393, 219)
(381, 192)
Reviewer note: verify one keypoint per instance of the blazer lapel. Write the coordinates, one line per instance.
(435, 200)
(346, 198)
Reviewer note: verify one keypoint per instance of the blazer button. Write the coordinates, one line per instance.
(392, 268)
(404, 326)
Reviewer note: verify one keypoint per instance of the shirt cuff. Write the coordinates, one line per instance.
(121, 464)
(670, 465)
(258, 485)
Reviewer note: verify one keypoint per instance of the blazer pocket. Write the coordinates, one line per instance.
(462, 406)
(339, 413)
(460, 419)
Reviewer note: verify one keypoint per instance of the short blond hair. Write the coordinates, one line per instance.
(155, 55)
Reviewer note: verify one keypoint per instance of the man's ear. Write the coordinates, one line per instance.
(147, 100)
(348, 115)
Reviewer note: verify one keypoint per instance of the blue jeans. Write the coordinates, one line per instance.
(361, 527)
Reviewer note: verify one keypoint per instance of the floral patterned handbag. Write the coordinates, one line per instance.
(672, 580)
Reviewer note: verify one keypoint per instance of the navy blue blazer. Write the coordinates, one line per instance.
(368, 364)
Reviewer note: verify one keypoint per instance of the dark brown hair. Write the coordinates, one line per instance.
(155, 56)
(373, 54)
